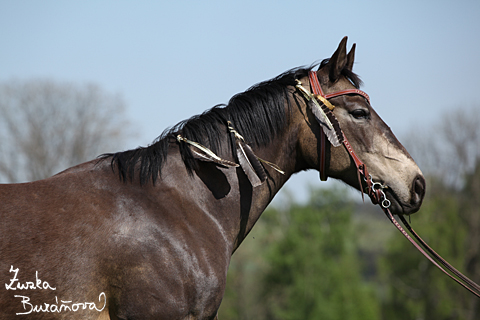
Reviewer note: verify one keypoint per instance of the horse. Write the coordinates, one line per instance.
(148, 233)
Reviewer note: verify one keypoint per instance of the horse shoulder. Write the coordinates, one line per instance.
(166, 251)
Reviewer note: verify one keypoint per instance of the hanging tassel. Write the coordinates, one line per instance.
(335, 133)
(250, 164)
(324, 115)
(328, 122)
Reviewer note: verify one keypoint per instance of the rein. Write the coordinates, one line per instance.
(375, 190)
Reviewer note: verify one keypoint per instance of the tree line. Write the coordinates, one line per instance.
(47, 126)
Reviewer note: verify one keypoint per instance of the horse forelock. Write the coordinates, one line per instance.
(258, 114)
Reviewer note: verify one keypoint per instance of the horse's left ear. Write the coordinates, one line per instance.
(351, 58)
(338, 61)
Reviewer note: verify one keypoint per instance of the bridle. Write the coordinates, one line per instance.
(375, 189)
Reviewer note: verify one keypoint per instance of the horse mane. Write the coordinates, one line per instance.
(258, 114)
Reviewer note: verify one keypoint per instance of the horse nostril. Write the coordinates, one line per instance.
(419, 187)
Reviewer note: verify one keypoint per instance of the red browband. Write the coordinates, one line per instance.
(348, 91)
(317, 89)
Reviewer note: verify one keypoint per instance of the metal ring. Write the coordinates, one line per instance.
(386, 203)
(377, 186)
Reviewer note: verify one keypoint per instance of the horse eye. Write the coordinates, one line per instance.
(360, 114)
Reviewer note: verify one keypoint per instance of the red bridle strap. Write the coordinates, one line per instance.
(317, 89)
(361, 167)
(348, 91)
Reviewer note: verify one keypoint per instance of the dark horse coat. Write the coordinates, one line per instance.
(148, 233)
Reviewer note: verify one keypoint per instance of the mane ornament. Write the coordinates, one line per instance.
(248, 161)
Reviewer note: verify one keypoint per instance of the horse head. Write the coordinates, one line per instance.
(388, 162)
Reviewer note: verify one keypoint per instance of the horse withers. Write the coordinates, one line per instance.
(148, 233)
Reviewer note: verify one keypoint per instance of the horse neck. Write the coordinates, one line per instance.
(282, 151)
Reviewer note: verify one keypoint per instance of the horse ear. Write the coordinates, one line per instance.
(351, 58)
(338, 60)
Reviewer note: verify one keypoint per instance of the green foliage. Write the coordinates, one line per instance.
(314, 271)
(306, 266)
(416, 289)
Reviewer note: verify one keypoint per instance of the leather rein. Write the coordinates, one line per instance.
(375, 190)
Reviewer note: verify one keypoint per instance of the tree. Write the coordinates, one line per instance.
(48, 126)
(314, 269)
(301, 262)
(448, 149)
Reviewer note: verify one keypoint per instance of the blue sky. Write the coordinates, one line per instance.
(173, 59)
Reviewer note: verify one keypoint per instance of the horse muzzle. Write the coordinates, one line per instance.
(409, 206)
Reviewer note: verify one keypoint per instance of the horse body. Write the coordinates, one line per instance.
(102, 235)
(160, 249)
